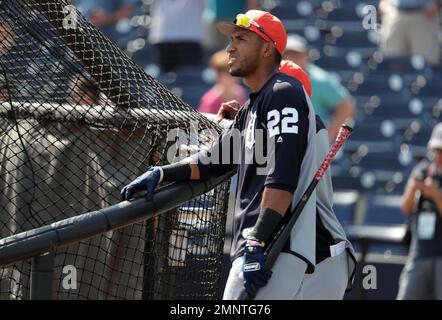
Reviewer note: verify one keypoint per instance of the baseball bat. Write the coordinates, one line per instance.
(274, 248)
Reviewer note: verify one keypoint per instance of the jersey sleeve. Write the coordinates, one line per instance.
(287, 123)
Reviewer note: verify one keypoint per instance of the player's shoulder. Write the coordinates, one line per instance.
(285, 89)
(284, 84)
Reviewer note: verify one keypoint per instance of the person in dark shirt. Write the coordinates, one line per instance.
(271, 144)
(421, 277)
(335, 260)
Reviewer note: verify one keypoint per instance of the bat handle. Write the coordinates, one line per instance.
(343, 135)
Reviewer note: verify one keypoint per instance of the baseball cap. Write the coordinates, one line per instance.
(436, 137)
(296, 43)
(263, 23)
(293, 70)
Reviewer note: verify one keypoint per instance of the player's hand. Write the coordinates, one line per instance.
(255, 273)
(431, 189)
(147, 181)
(228, 110)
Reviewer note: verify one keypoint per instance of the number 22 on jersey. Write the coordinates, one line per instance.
(282, 122)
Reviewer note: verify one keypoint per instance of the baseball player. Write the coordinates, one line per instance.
(335, 260)
(279, 122)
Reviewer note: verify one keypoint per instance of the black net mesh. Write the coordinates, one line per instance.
(79, 120)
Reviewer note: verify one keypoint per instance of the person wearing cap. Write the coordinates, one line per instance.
(229, 109)
(421, 277)
(331, 101)
(271, 144)
(335, 259)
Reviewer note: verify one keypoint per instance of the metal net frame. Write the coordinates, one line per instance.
(79, 120)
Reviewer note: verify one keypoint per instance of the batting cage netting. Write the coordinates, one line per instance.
(78, 121)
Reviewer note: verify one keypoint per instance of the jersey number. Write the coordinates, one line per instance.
(288, 123)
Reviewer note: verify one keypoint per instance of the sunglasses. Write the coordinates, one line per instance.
(243, 21)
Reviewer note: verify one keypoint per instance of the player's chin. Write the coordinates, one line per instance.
(236, 72)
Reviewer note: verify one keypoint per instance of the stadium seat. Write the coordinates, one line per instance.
(331, 15)
(381, 84)
(189, 75)
(431, 89)
(299, 10)
(383, 209)
(344, 205)
(396, 108)
(336, 63)
(359, 41)
(400, 65)
(192, 94)
(376, 136)
(418, 134)
(143, 56)
(345, 179)
(386, 171)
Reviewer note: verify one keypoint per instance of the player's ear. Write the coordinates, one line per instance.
(267, 48)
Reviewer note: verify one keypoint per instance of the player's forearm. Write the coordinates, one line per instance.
(186, 169)
(200, 171)
(344, 111)
(276, 199)
(274, 205)
(409, 200)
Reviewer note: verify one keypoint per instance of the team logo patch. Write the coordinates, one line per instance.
(254, 266)
(250, 133)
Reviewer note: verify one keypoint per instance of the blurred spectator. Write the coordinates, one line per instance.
(6, 37)
(328, 95)
(226, 87)
(6, 42)
(83, 91)
(177, 31)
(410, 27)
(223, 10)
(105, 14)
(421, 277)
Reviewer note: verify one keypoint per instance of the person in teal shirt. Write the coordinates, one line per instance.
(331, 101)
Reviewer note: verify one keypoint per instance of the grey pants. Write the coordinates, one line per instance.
(421, 279)
(285, 284)
(329, 280)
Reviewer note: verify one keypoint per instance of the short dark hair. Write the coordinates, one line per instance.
(278, 58)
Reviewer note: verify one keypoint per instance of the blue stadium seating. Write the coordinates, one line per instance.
(377, 136)
(193, 93)
(383, 209)
(431, 89)
(344, 205)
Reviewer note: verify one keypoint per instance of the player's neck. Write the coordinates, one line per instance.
(259, 78)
